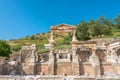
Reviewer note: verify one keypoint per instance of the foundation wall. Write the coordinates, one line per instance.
(108, 68)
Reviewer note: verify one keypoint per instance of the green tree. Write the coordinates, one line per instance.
(96, 30)
(101, 27)
(107, 26)
(68, 39)
(117, 20)
(4, 49)
(82, 31)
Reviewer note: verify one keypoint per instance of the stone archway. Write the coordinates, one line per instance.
(60, 29)
(101, 53)
(83, 56)
(55, 57)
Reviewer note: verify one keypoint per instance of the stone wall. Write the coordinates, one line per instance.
(88, 69)
(76, 68)
(108, 68)
(44, 69)
(64, 68)
(51, 69)
(41, 69)
(117, 69)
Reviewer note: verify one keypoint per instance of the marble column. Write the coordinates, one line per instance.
(51, 52)
(32, 58)
(93, 52)
(74, 51)
(95, 62)
(51, 56)
(32, 63)
(107, 54)
(74, 36)
(114, 57)
(51, 37)
(19, 56)
(75, 57)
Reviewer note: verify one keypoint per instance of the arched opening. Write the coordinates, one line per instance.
(83, 57)
(102, 58)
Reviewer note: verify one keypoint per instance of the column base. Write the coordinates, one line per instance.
(51, 59)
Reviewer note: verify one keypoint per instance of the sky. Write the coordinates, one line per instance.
(21, 18)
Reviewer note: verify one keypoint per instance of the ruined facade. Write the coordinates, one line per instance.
(83, 59)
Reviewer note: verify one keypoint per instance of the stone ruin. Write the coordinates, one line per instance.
(20, 66)
(85, 58)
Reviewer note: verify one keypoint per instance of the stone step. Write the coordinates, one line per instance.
(68, 78)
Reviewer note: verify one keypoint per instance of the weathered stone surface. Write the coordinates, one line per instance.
(57, 78)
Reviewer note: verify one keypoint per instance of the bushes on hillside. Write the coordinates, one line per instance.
(5, 49)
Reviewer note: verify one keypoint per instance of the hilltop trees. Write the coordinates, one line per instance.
(94, 29)
(117, 22)
(4, 49)
(101, 27)
(82, 31)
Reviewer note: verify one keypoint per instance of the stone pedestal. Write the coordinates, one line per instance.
(32, 69)
(95, 60)
(19, 56)
(96, 65)
(119, 60)
(75, 59)
(32, 59)
(113, 59)
(113, 56)
(74, 37)
(108, 57)
(32, 63)
(51, 59)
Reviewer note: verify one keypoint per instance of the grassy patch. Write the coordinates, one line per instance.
(43, 50)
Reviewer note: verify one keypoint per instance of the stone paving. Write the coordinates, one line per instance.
(58, 77)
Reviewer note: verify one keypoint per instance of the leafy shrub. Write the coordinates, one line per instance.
(5, 49)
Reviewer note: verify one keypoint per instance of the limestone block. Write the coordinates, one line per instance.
(118, 60)
(75, 59)
(94, 60)
(51, 59)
